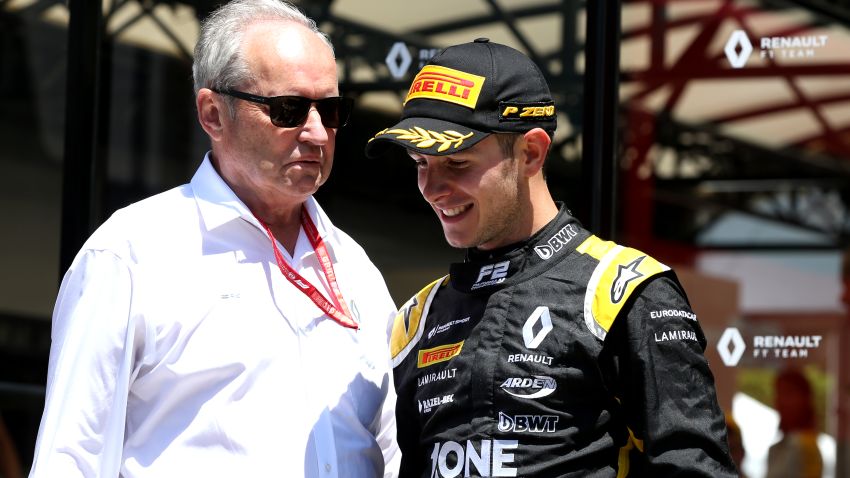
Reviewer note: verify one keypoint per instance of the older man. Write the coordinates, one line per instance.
(226, 327)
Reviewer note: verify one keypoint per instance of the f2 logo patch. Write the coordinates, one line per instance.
(495, 271)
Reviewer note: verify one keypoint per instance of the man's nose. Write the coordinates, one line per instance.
(433, 184)
(313, 130)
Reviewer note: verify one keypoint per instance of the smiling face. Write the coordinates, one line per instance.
(274, 169)
(480, 197)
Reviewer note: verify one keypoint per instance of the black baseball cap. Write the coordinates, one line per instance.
(465, 93)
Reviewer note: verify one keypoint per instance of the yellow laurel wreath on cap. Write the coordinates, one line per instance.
(428, 138)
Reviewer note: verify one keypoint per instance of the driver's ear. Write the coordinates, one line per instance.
(535, 147)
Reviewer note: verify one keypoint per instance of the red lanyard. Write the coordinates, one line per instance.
(338, 311)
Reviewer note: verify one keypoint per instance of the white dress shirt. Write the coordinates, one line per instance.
(179, 349)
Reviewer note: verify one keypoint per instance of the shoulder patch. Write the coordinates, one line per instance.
(619, 271)
(410, 321)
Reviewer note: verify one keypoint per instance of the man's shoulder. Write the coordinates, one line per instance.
(410, 321)
(163, 216)
(618, 274)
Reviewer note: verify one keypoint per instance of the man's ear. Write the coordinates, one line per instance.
(210, 112)
(535, 148)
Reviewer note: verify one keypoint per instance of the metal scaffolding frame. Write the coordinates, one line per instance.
(805, 185)
(788, 186)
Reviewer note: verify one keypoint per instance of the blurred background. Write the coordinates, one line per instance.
(712, 134)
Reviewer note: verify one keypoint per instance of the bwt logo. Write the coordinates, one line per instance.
(731, 347)
(556, 242)
(740, 40)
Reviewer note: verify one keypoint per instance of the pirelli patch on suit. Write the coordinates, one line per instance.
(619, 272)
(438, 354)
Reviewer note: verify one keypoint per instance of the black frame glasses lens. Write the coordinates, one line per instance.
(292, 111)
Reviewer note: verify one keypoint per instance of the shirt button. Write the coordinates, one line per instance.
(328, 467)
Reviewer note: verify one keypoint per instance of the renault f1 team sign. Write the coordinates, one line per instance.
(739, 47)
(732, 346)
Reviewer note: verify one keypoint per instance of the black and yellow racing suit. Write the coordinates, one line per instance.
(563, 356)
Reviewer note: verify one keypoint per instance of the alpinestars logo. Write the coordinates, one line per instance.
(491, 274)
(407, 312)
(625, 274)
(556, 242)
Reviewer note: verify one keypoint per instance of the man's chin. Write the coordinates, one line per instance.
(457, 242)
(305, 185)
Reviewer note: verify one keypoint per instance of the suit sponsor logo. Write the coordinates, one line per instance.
(436, 376)
(534, 358)
(556, 242)
(537, 386)
(491, 274)
(438, 354)
(659, 314)
(676, 335)
(536, 327)
(444, 327)
(446, 84)
(451, 459)
(625, 274)
(425, 406)
(527, 423)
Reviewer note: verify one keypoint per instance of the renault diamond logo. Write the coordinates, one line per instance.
(398, 60)
(738, 58)
(731, 347)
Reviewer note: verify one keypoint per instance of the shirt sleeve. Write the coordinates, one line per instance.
(387, 434)
(667, 388)
(411, 463)
(91, 358)
(386, 437)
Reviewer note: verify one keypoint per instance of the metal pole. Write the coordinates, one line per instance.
(81, 180)
(599, 134)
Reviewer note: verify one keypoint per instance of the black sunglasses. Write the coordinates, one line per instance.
(292, 111)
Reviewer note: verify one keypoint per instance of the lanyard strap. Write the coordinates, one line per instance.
(337, 310)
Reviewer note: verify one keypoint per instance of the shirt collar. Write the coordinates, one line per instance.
(218, 204)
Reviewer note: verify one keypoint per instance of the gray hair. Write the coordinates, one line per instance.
(219, 62)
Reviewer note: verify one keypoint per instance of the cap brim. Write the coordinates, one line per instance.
(425, 136)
